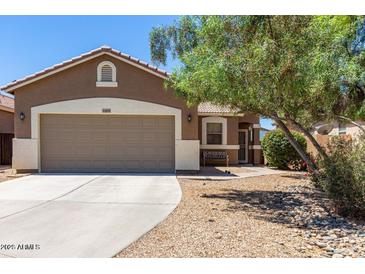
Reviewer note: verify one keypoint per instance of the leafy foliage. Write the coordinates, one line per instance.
(296, 69)
(278, 151)
(299, 66)
(343, 175)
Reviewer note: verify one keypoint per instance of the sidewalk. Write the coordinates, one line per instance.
(233, 172)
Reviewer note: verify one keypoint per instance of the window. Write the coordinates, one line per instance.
(341, 129)
(106, 75)
(214, 133)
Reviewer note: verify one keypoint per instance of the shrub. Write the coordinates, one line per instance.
(279, 152)
(342, 175)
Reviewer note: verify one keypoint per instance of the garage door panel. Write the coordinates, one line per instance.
(116, 164)
(56, 164)
(165, 164)
(62, 147)
(96, 135)
(107, 143)
(163, 152)
(132, 122)
(164, 137)
(148, 123)
(99, 164)
(100, 150)
(149, 164)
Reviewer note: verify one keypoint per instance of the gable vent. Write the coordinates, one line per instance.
(106, 73)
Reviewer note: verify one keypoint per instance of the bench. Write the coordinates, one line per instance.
(215, 155)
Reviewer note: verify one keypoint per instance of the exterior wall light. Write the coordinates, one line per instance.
(22, 116)
(189, 118)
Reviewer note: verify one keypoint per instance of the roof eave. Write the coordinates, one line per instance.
(228, 114)
(8, 109)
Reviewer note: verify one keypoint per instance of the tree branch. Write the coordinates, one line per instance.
(351, 122)
(314, 142)
(296, 145)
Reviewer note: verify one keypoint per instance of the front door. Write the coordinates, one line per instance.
(243, 143)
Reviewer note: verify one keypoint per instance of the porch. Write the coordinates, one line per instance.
(237, 136)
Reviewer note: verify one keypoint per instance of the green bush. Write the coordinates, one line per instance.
(279, 152)
(342, 175)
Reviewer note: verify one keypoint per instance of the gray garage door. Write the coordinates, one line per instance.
(107, 143)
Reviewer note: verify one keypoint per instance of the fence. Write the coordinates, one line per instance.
(6, 148)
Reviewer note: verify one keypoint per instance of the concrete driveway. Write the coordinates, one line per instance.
(81, 215)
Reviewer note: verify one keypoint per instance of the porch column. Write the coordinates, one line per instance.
(256, 145)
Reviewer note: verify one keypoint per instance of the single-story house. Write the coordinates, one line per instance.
(6, 128)
(337, 128)
(106, 111)
(324, 131)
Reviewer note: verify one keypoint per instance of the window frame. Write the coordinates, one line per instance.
(214, 119)
(215, 133)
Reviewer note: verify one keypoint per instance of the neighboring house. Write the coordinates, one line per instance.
(105, 111)
(6, 128)
(324, 131)
(337, 128)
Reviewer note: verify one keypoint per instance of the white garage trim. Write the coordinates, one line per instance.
(187, 152)
(97, 105)
(25, 154)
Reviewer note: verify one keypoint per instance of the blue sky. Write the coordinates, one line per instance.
(32, 43)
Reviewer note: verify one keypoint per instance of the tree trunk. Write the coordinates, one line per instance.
(314, 142)
(302, 153)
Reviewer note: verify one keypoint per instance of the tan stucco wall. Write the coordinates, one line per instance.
(249, 118)
(80, 82)
(232, 131)
(257, 156)
(6, 122)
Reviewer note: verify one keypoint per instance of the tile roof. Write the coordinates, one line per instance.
(105, 49)
(6, 101)
(211, 108)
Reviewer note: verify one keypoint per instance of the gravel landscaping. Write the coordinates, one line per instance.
(6, 174)
(267, 216)
(3, 177)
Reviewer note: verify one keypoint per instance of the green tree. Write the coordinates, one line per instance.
(292, 69)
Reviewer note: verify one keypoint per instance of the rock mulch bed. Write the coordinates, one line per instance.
(268, 216)
(6, 175)
(3, 177)
(336, 236)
